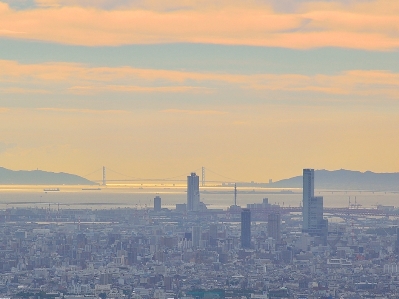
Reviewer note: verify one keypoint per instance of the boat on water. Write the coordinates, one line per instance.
(51, 189)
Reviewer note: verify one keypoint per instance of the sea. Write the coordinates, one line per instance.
(141, 197)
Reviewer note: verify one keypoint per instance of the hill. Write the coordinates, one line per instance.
(40, 177)
(346, 180)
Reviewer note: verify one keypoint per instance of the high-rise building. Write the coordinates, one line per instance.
(196, 236)
(397, 240)
(213, 234)
(105, 278)
(312, 211)
(246, 228)
(308, 193)
(213, 230)
(157, 204)
(193, 195)
(274, 226)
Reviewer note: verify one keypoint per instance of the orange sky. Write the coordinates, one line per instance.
(253, 90)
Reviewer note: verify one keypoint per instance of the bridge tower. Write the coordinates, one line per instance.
(203, 177)
(104, 177)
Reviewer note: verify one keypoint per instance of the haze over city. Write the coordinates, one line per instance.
(254, 90)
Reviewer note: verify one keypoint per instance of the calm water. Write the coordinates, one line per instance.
(135, 197)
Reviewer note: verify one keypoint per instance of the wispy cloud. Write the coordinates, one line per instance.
(10, 32)
(64, 78)
(4, 146)
(198, 112)
(137, 89)
(372, 25)
(89, 111)
(18, 90)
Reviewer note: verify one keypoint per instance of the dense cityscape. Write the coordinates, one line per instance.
(260, 251)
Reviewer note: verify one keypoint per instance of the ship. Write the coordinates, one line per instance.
(51, 189)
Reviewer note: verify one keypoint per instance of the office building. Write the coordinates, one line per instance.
(157, 204)
(213, 234)
(246, 228)
(274, 226)
(193, 195)
(213, 230)
(312, 206)
(312, 210)
(308, 194)
(397, 241)
(196, 236)
(105, 278)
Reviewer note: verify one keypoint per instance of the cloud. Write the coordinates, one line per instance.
(136, 89)
(89, 111)
(197, 112)
(79, 79)
(371, 25)
(5, 146)
(16, 90)
(10, 32)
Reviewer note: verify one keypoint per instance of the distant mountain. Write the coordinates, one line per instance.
(40, 177)
(346, 180)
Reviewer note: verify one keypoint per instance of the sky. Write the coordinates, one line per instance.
(252, 90)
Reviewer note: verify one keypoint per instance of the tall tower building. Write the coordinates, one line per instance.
(312, 210)
(308, 193)
(193, 195)
(246, 228)
(274, 226)
(157, 204)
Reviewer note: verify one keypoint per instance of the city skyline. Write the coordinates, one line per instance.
(164, 88)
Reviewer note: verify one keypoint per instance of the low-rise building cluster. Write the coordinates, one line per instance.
(131, 253)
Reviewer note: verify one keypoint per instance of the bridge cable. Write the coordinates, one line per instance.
(92, 172)
(234, 180)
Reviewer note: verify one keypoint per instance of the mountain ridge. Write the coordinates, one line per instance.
(40, 177)
(345, 180)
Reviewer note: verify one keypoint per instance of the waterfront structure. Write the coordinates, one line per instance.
(193, 195)
(246, 228)
(274, 226)
(157, 203)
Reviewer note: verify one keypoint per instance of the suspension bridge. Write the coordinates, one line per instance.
(118, 177)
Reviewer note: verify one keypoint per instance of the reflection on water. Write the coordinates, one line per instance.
(142, 197)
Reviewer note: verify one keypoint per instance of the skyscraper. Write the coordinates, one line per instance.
(312, 210)
(193, 195)
(246, 228)
(157, 204)
(274, 226)
(308, 193)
